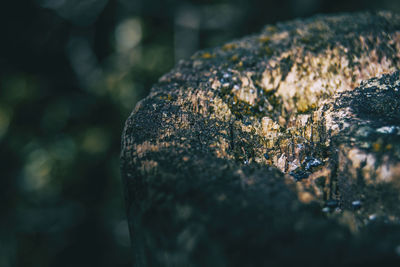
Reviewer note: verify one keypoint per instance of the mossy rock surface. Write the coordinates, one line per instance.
(278, 149)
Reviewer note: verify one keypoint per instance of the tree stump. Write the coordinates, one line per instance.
(278, 149)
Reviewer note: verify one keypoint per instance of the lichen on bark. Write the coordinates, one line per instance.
(283, 140)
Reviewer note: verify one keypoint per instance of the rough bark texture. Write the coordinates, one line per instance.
(281, 148)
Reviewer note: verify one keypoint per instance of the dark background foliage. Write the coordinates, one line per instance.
(70, 73)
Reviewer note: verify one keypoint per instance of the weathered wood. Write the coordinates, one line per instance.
(268, 150)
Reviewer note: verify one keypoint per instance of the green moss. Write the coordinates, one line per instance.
(229, 47)
(264, 40)
(268, 50)
(271, 29)
(207, 55)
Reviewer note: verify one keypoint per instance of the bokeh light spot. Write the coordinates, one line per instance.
(36, 173)
(128, 34)
(95, 140)
(5, 119)
(121, 233)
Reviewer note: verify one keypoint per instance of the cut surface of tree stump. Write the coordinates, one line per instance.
(277, 149)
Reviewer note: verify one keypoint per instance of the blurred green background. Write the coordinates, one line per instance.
(71, 71)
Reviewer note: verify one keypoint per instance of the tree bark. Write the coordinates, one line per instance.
(281, 148)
